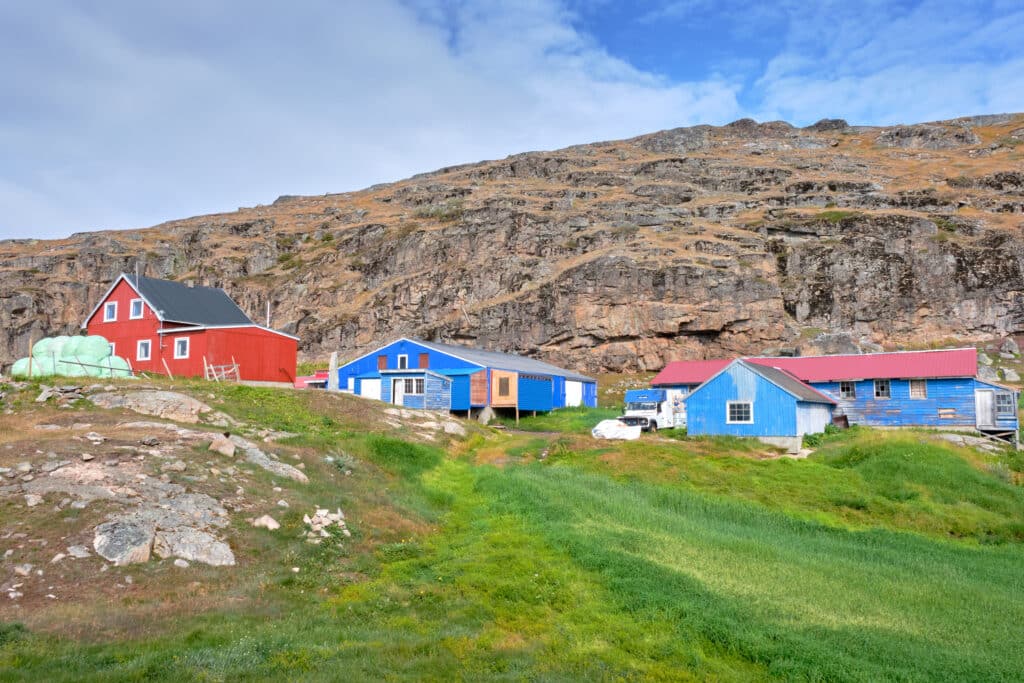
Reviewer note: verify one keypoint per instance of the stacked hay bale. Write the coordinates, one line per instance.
(81, 356)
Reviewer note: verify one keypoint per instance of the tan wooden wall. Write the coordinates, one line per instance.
(512, 398)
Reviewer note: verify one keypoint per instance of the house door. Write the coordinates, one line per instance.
(398, 391)
(984, 408)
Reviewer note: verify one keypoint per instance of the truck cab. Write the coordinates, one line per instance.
(648, 409)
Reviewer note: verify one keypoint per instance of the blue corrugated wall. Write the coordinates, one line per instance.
(590, 394)
(413, 350)
(949, 403)
(535, 393)
(774, 410)
(558, 391)
(437, 391)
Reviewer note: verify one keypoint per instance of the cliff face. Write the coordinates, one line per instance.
(621, 255)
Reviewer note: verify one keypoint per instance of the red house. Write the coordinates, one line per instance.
(163, 327)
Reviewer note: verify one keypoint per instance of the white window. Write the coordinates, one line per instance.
(181, 347)
(1004, 404)
(110, 312)
(403, 362)
(739, 412)
(136, 312)
(918, 388)
(882, 388)
(847, 390)
(142, 349)
(414, 386)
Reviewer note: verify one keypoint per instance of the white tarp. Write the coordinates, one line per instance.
(613, 429)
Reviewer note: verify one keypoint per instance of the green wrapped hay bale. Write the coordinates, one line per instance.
(41, 348)
(43, 367)
(71, 369)
(70, 348)
(20, 368)
(115, 367)
(94, 347)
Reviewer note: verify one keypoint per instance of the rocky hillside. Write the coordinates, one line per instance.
(610, 256)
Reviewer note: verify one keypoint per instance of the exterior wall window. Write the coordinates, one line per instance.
(882, 388)
(181, 347)
(142, 349)
(417, 387)
(1004, 404)
(113, 349)
(403, 362)
(410, 386)
(382, 362)
(739, 412)
(918, 388)
(847, 390)
(503, 388)
(110, 312)
(136, 311)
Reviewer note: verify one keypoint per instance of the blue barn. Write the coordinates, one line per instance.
(751, 400)
(420, 374)
(935, 388)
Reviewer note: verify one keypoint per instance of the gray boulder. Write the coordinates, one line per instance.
(169, 405)
(123, 542)
(193, 545)
(1010, 375)
(987, 373)
(1009, 345)
(984, 358)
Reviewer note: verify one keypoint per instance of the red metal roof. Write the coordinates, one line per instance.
(688, 372)
(896, 365)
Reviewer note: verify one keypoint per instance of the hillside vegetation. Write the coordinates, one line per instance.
(611, 256)
(544, 555)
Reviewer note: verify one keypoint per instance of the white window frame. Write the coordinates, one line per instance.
(131, 309)
(923, 384)
(107, 308)
(728, 412)
(1009, 408)
(852, 394)
(888, 390)
(113, 348)
(188, 347)
(149, 349)
(403, 361)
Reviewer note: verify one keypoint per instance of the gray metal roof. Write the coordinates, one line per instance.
(503, 361)
(178, 302)
(787, 382)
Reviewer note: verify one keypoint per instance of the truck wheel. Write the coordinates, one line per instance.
(653, 427)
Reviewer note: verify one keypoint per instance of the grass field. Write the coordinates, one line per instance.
(883, 556)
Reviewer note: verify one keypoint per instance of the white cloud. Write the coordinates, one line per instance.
(136, 117)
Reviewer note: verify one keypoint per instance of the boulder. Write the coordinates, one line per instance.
(32, 499)
(1011, 375)
(78, 551)
(988, 373)
(169, 405)
(1009, 345)
(266, 522)
(983, 358)
(193, 545)
(123, 542)
(223, 445)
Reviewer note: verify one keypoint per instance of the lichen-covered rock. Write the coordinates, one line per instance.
(123, 542)
(193, 545)
(169, 405)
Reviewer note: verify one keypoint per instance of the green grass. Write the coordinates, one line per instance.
(567, 420)
(883, 556)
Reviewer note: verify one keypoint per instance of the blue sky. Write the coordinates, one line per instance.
(119, 114)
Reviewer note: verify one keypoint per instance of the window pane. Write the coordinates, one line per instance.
(408, 386)
(419, 386)
(503, 386)
(881, 388)
(918, 389)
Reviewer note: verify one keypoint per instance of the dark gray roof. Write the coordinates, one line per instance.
(504, 361)
(787, 382)
(178, 302)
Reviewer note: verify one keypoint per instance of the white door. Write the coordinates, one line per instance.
(573, 393)
(984, 408)
(398, 391)
(370, 388)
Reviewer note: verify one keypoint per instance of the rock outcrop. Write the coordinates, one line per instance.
(620, 255)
